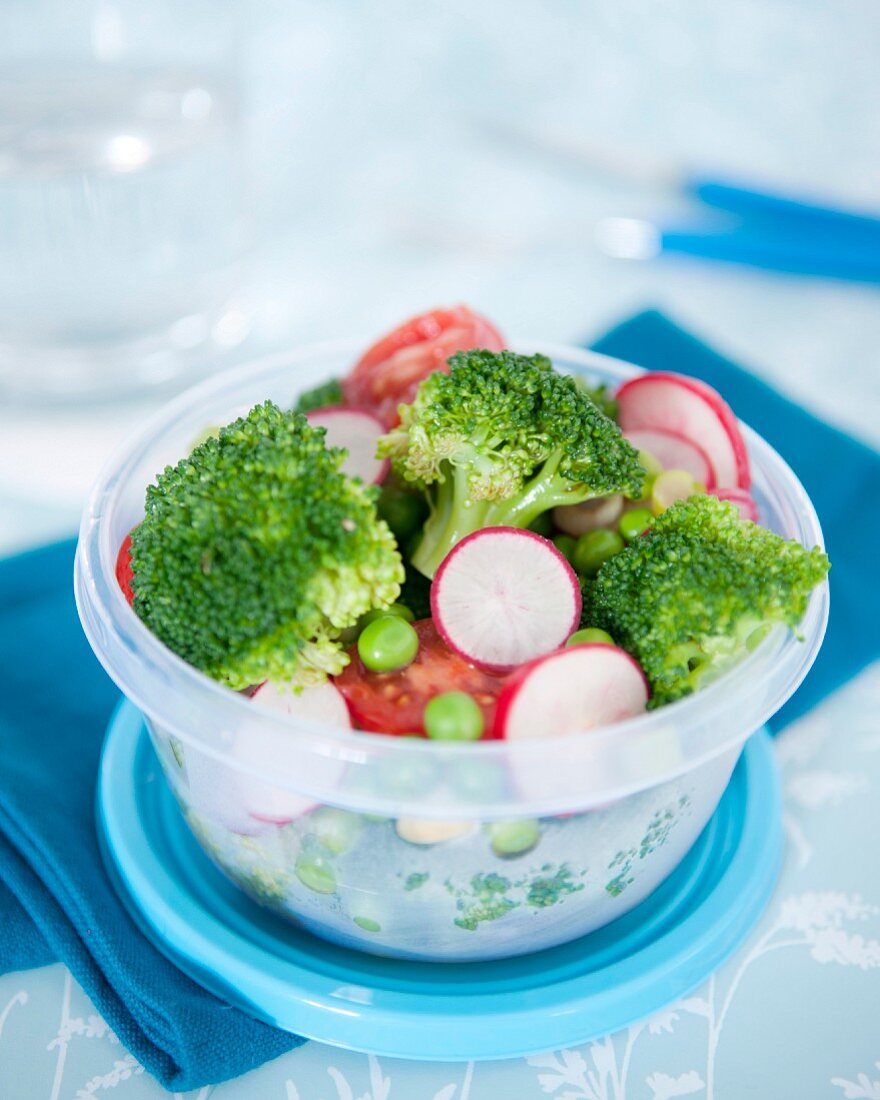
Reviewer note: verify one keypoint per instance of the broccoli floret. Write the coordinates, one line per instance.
(697, 590)
(600, 396)
(499, 440)
(256, 552)
(327, 395)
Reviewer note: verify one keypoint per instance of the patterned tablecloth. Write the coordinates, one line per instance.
(392, 199)
(795, 1014)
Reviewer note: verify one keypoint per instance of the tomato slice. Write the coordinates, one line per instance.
(389, 372)
(124, 572)
(394, 702)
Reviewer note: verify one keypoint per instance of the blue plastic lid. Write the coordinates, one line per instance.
(435, 1011)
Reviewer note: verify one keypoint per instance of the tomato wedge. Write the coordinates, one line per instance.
(389, 372)
(124, 572)
(394, 702)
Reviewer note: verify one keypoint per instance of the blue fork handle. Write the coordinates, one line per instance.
(782, 210)
(799, 254)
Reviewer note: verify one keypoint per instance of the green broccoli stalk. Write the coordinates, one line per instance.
(699, 589)
(499, 440)
(256, 552)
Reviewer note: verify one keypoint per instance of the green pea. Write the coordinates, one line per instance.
(590, 634)
(404, 512)
(514, 838)
(316, 873)
(634, 522)
(594, 548)
(368, 924)
(410, 777)
(565, 544)
(476, 780)
(387, 644)
(453, 716)
(396, 609)
(335, 829)
(543, 525)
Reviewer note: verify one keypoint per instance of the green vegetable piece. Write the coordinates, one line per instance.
(477, 780)
(686, 598)
(594, 548)
(453, 716)
(334, 829)
(500, 440)
(397, 609)
(415, 880)
(514, 838)
(543, 525)
(565, 544)
(652, 465)
(415, 593)
(634, 522)
(327, 395)
(387, 644)
(316, 873)
(256, 552)
(402, 509)
(368, 924)
(590, 634)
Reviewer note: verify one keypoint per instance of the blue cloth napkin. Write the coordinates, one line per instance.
(55, 899)
(55, 702)
(841, 475)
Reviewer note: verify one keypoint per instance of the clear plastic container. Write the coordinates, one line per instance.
(392, 845)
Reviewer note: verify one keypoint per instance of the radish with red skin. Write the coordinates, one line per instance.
(230, 795)
(674, 452)
(662, 401)
(358, 431)
(503, 596)
(320, 703)
(744, 501)
(571, 691)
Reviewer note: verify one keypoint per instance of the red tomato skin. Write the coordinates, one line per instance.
(124, 572)
(388, 373)
(394, 702)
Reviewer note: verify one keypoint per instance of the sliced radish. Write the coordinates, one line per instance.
(320, 703)
(573, 690)
(357, 430)
(661, 401)
(229, 794)
(503, 596)
(674, 452)
(743, 500)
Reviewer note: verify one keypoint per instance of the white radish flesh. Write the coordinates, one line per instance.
(225, 790)
(358, 431)
(322, 704)
(503, 596)
(666, 402)
(674, 452)
(572, 691)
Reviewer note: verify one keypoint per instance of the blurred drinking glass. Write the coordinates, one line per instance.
(123, 213)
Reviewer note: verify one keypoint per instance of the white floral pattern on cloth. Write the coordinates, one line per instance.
(764, 1025)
